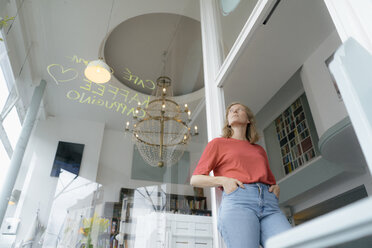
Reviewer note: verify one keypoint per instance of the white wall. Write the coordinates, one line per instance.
(325, 106)
(38, 187)
(326, 110)
(285, 96)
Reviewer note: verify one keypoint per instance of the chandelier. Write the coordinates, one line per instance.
(161, 136)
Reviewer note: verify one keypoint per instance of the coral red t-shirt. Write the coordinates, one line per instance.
(237, 159)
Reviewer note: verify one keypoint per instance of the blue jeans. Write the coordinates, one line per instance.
(248, 217)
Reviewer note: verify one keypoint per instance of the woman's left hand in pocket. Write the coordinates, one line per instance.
(275, 189)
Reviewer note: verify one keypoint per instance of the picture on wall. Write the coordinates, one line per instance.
(68, 157)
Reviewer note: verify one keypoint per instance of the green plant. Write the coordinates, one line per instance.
(4, 22)
(92, 226)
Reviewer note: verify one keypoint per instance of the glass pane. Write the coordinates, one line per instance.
(143, 217)
(120, 191)
(4, 92)
(12, 126)
(4, 163)
(233, 15)
(74, 217)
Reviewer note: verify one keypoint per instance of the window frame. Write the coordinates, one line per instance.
(12, 89)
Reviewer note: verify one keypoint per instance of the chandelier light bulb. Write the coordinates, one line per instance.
(196, 129)
(164, 90)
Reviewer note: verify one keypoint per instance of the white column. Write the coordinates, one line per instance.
(19, 151)
(352, 18)
(212, 60)
(215, 102)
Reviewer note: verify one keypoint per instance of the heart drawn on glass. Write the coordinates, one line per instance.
(61, 75)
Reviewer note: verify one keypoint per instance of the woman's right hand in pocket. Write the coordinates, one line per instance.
(231, 184)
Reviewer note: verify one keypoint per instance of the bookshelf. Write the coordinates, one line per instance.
(294, 136)
(183, 204)
(165, 202)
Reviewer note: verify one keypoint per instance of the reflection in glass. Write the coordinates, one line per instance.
(233, 16)
(228, 6)
(144, 217)
(73, 221)
(85, 213)
(148, 217)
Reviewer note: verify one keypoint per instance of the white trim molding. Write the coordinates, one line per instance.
(338, 227)
(256, 18)
(214, 96)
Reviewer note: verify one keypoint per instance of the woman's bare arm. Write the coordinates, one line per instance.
(228, 184)
(206, 181)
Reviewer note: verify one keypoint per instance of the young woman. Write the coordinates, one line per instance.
(249, 213)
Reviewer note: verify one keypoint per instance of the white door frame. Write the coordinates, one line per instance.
(351, 18)
(216, 70)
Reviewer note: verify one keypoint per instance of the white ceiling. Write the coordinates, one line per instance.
(277, 51)
(67, 33)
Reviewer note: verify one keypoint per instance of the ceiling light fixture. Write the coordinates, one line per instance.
(98, 71)
(162, 135)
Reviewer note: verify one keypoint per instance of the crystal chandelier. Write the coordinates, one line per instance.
(162, 134)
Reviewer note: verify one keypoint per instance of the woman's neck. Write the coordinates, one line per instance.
(239, 132)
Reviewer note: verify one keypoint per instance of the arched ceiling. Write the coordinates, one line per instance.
(153, 45)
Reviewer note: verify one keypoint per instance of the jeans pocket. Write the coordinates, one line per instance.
(232, 192)
(275, 196)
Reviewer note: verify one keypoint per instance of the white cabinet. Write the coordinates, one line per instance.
(163, 230)
(189, 231)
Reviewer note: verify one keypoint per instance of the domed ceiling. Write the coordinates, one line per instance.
(145, 47)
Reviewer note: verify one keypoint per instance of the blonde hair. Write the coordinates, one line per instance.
(251, 133)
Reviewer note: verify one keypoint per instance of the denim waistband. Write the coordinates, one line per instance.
(262, 185)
